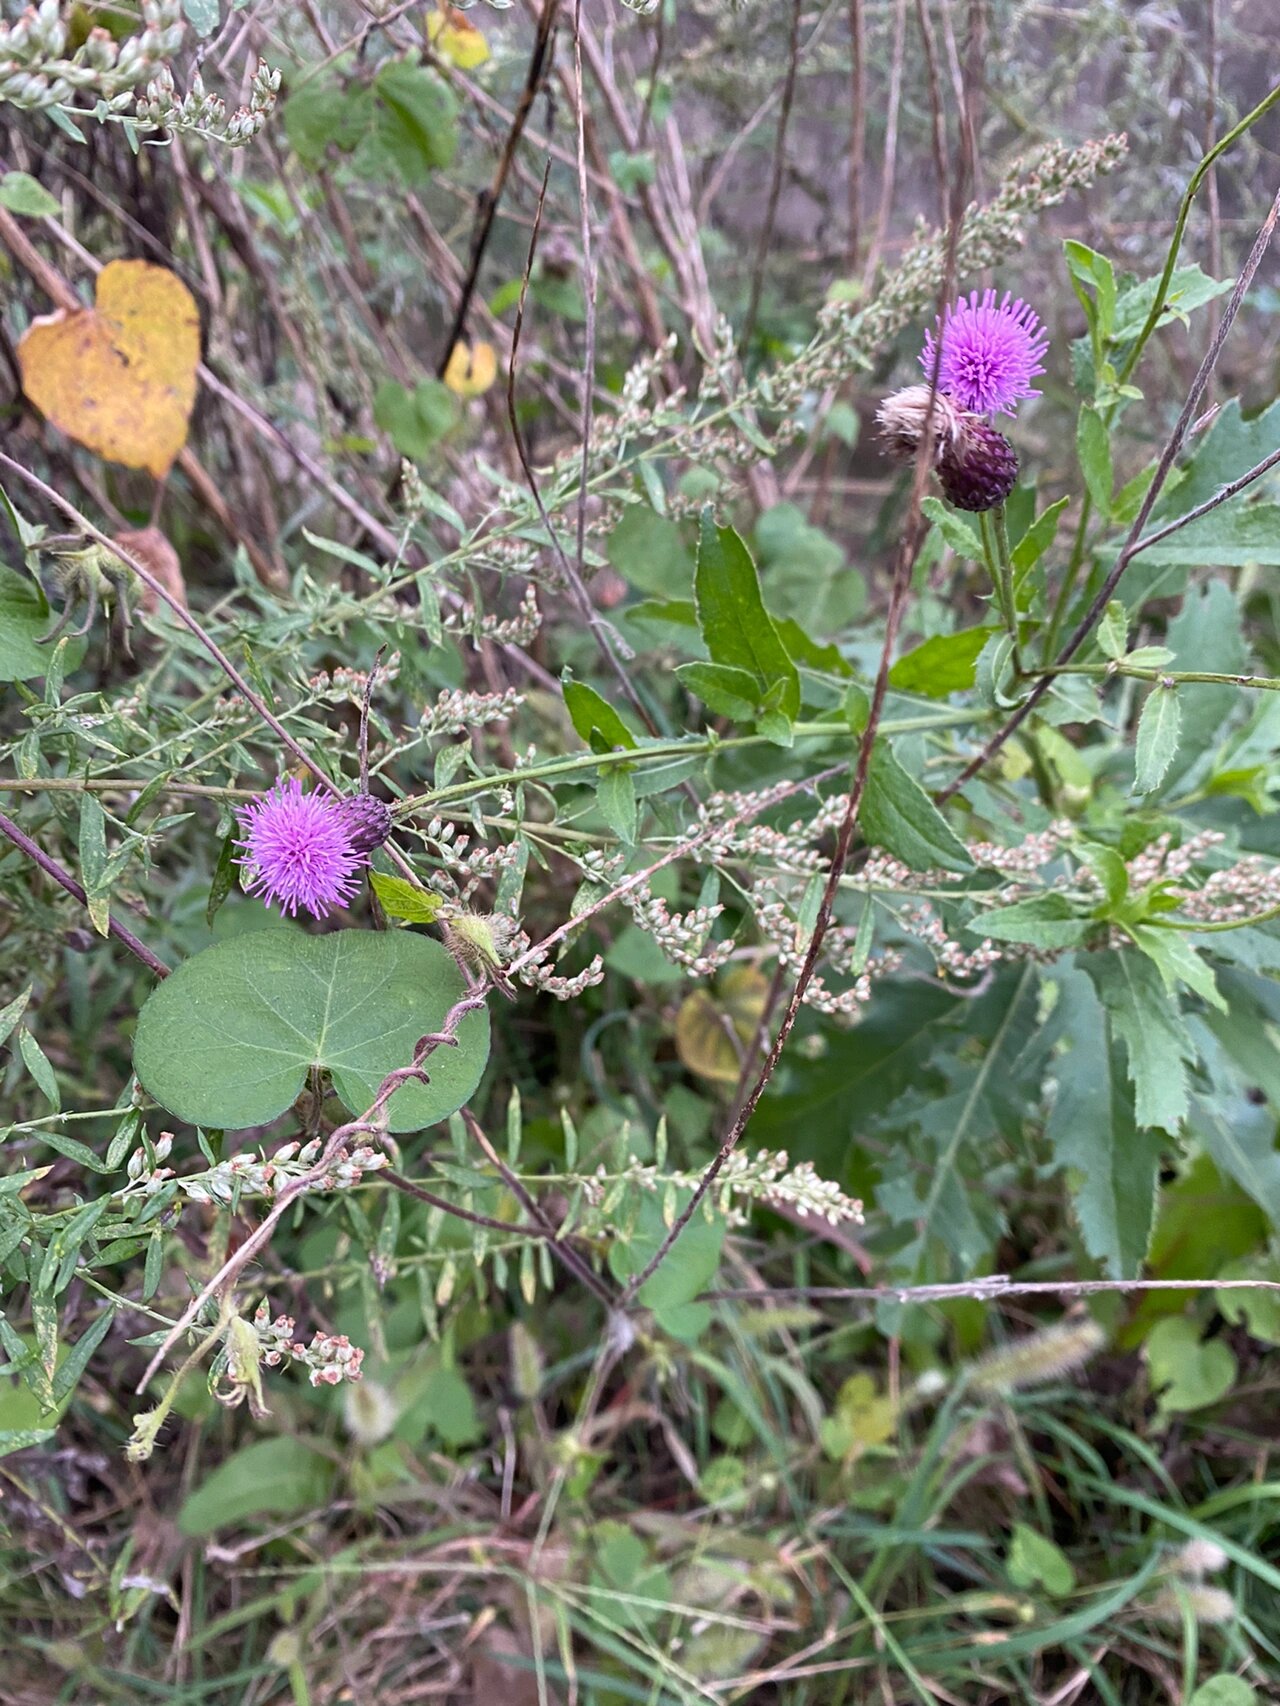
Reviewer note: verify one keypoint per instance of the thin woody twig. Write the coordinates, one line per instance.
(775, 178)
(65, 880)
(179, 610)
(981, 1290)
(563, 1253)
(490, 198)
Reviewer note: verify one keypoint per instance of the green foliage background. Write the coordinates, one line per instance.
(617, 622)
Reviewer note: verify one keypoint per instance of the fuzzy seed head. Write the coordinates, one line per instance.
(369, 1412)
(991, 351)
(1038, 1358)
(1198, 1558)
(902, 418)
(1206, 1604)
(298, 851)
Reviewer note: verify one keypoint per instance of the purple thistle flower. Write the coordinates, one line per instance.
(297, 850)
(991, 351)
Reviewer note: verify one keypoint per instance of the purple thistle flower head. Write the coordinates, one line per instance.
(298, 850)
(991, 351)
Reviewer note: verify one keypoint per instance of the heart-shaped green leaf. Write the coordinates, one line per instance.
(228, 1040)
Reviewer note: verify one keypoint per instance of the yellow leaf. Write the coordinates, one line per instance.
(119, 377)
(706, 1026)
(472, 369)
(456, 39)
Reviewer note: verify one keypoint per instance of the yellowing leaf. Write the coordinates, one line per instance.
(706, 1026)
(456, 39)
(119, 377)
(472, 369)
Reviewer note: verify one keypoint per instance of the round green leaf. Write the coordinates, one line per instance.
(228, 1040)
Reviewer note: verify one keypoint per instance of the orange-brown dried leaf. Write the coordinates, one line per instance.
(119, 377)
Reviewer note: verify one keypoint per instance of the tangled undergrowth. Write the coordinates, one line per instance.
(639, 907)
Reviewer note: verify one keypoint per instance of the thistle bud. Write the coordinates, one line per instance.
(978, 471)
(367, 822)
(481, 941)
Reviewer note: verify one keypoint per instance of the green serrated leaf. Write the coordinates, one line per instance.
(688, 1268)
(271, 1477)
(735, 626)
(616, 797)
(1035, 1561)
(1154, 1033)
(39, 1066)
(947, 663)
(224, 876)
(202, 15)
(955, 530)
(1178, 962)
(1094, 280)
(1189, 288)
(415, 128)
(24, 618)
(724, 690)
(1114, 1166)
(21, 193)
(1093, 448)
(899, 816)
(400, 898)
(594, 717)
(1159, 729)
(10, 1015)
(415, 420)
(1036, 541)
(649, 551)
(1187, 1372)
(1113, 630)
(1045, 921)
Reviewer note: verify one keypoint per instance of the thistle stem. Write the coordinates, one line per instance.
(995, 545)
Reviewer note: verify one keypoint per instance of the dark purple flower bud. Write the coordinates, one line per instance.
(979, 471)
(367, 820)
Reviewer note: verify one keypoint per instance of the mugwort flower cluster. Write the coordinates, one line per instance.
(985, 353)
(308, 850)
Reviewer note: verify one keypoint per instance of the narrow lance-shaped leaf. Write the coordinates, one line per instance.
(1158, 730)
(1115, 1165)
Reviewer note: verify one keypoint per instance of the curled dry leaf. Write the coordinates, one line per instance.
(119, 377)
(150, 548)
(472, 369)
